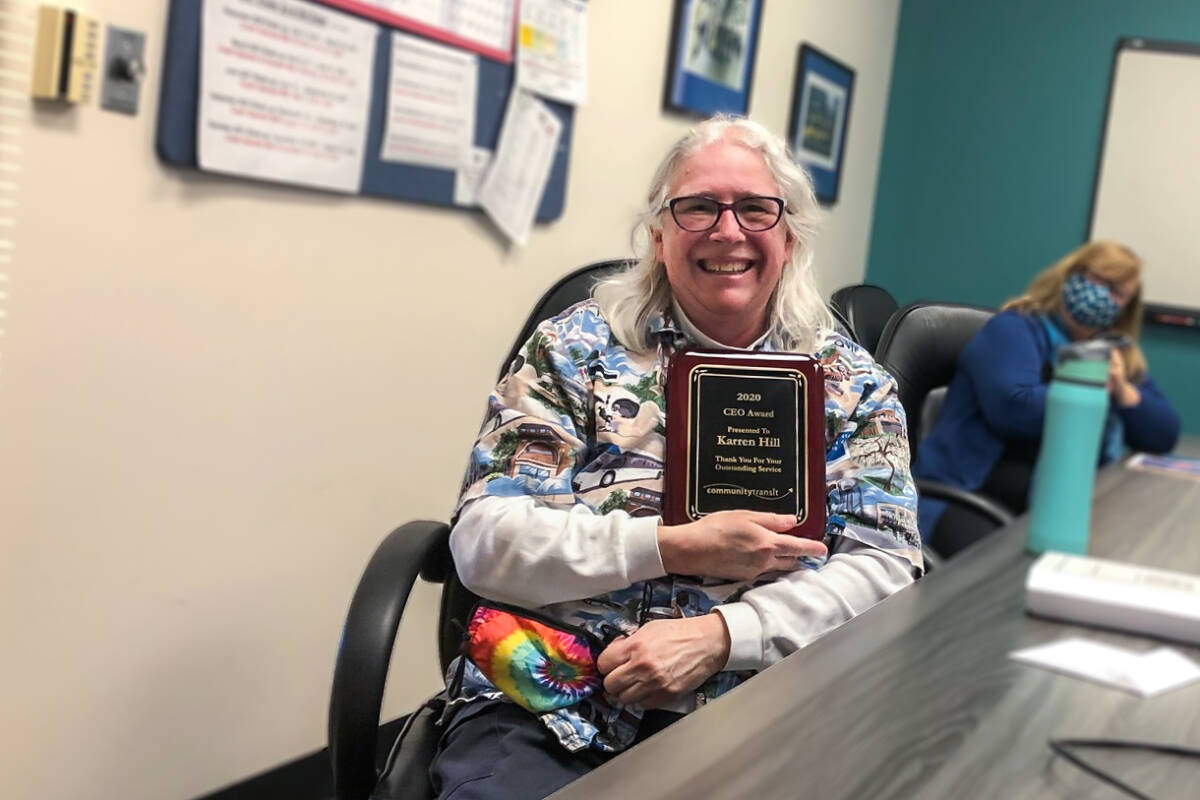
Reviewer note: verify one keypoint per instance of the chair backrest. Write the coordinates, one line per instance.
(920, 347)
(867, 309)
(566, 292)
(577, 286)
(457, 600)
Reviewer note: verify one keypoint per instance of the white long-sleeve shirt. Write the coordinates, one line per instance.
(513, 550)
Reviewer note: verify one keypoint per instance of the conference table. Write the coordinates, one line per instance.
(917, 698)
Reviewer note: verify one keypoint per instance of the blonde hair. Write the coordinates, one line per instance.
(1107, 260)
(796, 313)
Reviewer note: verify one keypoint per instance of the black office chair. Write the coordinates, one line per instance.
(920, 346)
(867, 309)
(416, 548)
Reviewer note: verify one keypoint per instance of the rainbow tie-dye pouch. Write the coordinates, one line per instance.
(540, 664)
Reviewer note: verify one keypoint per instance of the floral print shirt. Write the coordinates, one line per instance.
(581, 419)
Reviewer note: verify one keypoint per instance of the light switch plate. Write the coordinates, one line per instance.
(124, 68)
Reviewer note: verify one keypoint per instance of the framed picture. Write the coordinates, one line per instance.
(713, 46)
(820, 116)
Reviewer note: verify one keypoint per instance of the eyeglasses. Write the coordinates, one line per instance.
(755, 213)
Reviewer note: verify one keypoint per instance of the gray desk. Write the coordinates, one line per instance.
(917, 699)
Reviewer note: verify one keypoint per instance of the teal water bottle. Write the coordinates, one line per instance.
(1076, 407)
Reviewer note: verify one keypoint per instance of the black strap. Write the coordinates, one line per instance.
(1062, 747)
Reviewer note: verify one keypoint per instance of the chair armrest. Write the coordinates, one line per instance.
(366, 649)
(981, 505)
(932, 560)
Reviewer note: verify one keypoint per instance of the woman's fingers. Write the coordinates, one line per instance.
(625, 685)
(613, 656)
(797, 546)
(772, 522)
(635, 695)
(620, 677)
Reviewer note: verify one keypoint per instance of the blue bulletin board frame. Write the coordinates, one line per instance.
(688, 90)
(817, 69)
(175, 138)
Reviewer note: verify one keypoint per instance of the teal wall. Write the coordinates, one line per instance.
(989, 154)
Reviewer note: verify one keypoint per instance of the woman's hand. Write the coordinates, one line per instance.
(735, 545)
(664, 660)
(1124, 393)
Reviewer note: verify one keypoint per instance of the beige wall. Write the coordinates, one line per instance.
(216, 397)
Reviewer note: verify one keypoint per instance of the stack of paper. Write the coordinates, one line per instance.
(1174, 466)
(1114, 595)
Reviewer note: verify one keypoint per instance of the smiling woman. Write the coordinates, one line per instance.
(723, 275)
(578, 537)
(725, 159)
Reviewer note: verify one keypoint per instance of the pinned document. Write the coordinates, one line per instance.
(468, 177)
(431, 104)
(552, 49)
(513, 186)
(285, 88)
(485, 26)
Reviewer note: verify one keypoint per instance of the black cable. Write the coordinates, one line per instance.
(1060, 747)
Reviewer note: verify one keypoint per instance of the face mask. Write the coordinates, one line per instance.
(1089, 304)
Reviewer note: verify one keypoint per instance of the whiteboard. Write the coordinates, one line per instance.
(1147, 192)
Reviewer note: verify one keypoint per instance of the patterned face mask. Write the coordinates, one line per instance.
(1089, 304)
(540, 665)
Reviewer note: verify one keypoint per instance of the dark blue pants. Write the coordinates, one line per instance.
(491, 750)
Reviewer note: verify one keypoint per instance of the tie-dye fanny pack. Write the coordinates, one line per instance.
(539, 663)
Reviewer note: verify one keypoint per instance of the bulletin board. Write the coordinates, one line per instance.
(1147, 190)
(175, 139)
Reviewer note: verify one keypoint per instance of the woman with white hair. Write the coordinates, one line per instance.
(680, 614)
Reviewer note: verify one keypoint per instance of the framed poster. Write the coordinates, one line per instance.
(713, 46)
(820, 115)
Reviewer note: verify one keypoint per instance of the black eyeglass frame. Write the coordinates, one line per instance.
(730, 207)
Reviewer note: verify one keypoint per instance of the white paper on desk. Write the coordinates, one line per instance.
(1175, 466)
(285, 89)
(1144, 674)
(431, 104)
(552, 49)
(513, 186)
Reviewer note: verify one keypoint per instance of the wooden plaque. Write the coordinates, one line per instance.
(746, 431)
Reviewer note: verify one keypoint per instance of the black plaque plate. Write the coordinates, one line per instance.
(745, 431)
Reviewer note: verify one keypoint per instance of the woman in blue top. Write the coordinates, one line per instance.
(997, 399)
